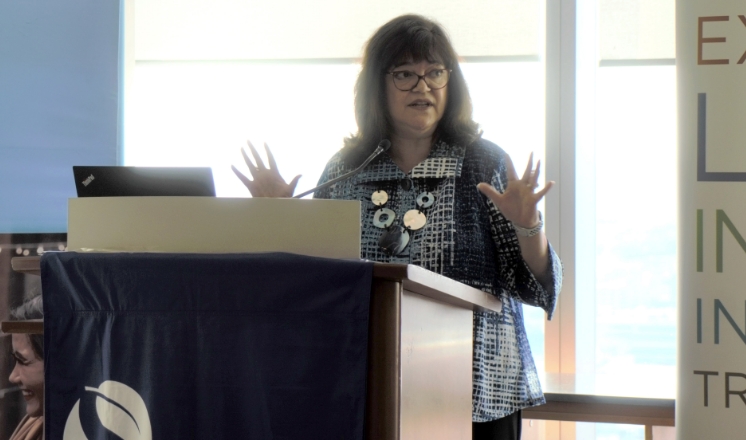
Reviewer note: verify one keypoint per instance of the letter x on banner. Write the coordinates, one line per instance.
(236, 346)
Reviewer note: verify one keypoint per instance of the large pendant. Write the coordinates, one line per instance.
(394, 240)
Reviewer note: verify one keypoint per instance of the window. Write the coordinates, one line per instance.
(600, 96)
(625, 230)
(199, 84)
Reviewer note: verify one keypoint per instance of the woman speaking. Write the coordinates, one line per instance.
(444, 199)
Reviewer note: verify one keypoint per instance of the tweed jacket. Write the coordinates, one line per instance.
(466, 238)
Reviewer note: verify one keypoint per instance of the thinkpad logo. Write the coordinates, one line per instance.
(88, 180)
(120, 410)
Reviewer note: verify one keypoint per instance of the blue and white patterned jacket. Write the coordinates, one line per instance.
(467, 239)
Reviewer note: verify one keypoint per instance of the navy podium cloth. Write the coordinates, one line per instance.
(185, 346)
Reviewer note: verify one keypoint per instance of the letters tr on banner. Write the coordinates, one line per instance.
(204, 346)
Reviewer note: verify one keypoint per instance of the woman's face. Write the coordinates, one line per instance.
(28, 374)
(415, 113)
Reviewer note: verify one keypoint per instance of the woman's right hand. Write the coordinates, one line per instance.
(264, 182)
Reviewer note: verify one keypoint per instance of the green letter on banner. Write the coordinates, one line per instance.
(722, 219)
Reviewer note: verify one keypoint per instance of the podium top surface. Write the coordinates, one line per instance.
(424, 282)
(413, 278)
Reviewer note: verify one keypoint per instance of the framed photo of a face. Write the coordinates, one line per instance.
(15, 289)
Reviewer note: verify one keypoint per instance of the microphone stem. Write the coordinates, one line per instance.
(370, 158)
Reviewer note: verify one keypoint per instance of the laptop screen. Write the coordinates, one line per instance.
(114, 181)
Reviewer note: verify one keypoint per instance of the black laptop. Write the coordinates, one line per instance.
(109, 181)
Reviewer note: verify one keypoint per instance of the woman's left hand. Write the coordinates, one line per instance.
(518, 202)
(266, 181)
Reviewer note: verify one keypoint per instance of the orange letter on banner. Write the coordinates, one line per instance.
(702, 40)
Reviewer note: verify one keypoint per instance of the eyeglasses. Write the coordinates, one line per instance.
(406, 80)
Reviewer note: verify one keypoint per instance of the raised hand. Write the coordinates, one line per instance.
(264, 182)
(518, 202)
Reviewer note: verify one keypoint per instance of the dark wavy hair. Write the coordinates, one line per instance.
(408, 38)
(31, 309)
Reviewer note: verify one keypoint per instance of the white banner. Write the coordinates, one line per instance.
(711, 62)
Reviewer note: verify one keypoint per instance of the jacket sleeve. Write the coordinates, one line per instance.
(514, 276)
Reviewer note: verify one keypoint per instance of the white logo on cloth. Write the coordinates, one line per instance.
(120, 409)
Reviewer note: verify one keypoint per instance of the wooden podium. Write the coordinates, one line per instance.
(419, 352)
